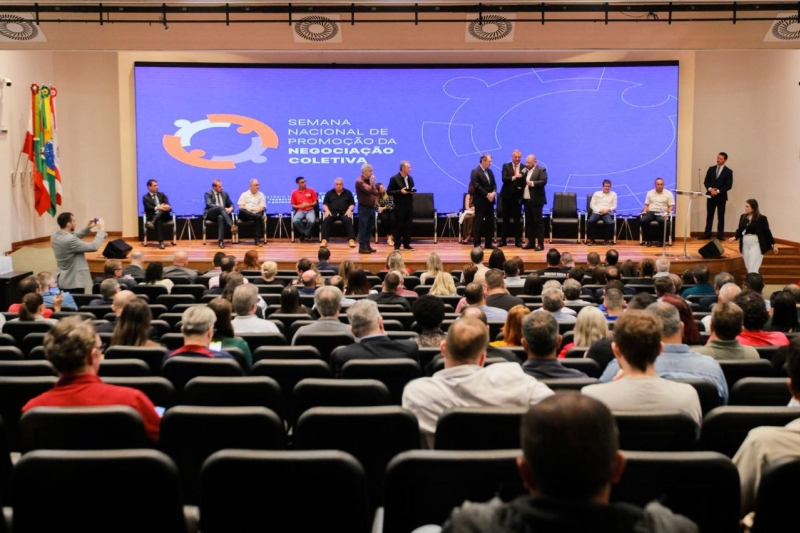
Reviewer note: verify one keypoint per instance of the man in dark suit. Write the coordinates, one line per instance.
(388, 294)
(373, 343)
(484, 189)
(511, 199)
(401, 188)
(156, 210)
(719, 180)
(535, 198)
(220, 207)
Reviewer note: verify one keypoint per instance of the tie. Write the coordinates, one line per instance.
(406, 180)
(155, 199)
(719, 169)
(219, 200)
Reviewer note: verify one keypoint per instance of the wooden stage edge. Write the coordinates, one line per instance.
(453, 255)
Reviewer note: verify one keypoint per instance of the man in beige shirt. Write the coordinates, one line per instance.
(726, 324)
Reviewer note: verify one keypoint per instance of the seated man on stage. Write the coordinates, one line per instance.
(220, 207)
(658, 205)
(303, 201)
(253, 207)
(156, 210)
(603, 205)
(338, 204)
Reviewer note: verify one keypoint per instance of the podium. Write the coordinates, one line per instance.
(691, 195)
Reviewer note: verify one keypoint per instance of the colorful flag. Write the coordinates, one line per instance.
(41, 146)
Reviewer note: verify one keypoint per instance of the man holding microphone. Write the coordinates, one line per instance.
(367, 196)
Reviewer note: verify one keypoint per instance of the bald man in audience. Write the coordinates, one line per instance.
(136, 268)
(464, 382)
(309, 281)
(180, 268)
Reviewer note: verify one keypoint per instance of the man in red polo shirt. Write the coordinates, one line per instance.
(73, 346)
(304, 200)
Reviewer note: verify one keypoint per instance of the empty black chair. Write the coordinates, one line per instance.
(81, 428)
(760, 391)
(15, 392)
(99, 311)
(313, 392)
(324, 342)
(152, 291)
(373, 435)
(590, 367)
(5, 469)
(576, 353)
(479, 428)
(172, 341)
(703, 486)
(7, 340)
(159, 390)
(248, 391)
(569, 383)
(37, 353)
(736, 370)
(565, 215)
(706, 391)
(406, 319)
(277, 498)
(50, 485)
(725, 428)
(287, 319)
(153, 356)
(394, 373)
(171, 300)
(778, 496)
(19, 329)
(423, 486)
(123, 368)
(180, 369)
(195, 290)
(256, 340)
(27, 368)
(31, 341)
(285, 352)
(663, 431)
(190, 434)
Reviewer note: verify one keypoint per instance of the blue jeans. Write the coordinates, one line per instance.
(310, 218)
(608, 221)
(651, 234)
(366, 225)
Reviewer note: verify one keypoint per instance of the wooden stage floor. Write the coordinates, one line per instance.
(453, 255)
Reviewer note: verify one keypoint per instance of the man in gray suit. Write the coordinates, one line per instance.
(534, 198)
(328, 303)
(72, 269)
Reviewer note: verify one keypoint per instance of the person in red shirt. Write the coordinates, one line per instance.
(304, 200)
(755, 320)
(29, 285)
(73, 346)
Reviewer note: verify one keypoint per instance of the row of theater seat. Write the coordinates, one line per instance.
(348, 462)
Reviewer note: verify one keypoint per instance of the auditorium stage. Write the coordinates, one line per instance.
(453, 255)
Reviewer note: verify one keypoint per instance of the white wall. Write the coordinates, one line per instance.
(88, 127)
(748, 105)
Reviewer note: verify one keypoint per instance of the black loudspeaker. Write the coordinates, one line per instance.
(117, 249)
(712, 250)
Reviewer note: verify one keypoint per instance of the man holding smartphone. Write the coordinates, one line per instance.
(72, 268)
(401, 188)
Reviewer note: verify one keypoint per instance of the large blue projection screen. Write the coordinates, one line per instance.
(585, 124)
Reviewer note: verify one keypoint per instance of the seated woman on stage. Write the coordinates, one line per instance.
(133, 326)
(467, 217)
(385, 214)
(154, 275)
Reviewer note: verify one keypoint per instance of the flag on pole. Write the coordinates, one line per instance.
(41, 147)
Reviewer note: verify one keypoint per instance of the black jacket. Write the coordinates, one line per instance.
(765, 239)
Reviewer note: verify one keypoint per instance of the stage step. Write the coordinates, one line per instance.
(783, 268)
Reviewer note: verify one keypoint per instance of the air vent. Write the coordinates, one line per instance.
(318, 29)
(787, 28)
(16, 28)
(490, 28)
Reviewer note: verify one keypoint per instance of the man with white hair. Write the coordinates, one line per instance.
(136, 268)
(197, 326)
(553, 303)
(367, 195)
(108, 289)
(245, 303)
(180, 267)
(328, 303)
(727, 293)
(253, 208)
(662, 267)
(338, 204)
(366, 325)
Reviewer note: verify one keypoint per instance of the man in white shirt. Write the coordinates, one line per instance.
(465, 383)
(245, 302)
(637, 344)
(253, 208)
(658, 205)
(603, 205)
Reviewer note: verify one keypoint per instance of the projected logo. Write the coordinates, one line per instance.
(179, 144)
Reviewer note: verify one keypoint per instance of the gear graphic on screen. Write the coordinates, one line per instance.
(178, 145)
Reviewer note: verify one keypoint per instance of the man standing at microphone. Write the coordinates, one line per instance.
(367, 196)
(511, 199)
(719, 180)
(401, 188)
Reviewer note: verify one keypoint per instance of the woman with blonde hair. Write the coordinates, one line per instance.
(251, 261)
(345, 267)
(443, 285)
(434, 268)
(394, 261)
(269, 269)
(591, 327)
(512, 330)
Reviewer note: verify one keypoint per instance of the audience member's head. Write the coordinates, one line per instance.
(152, 274)
(754, 309)
(687, 278)
(391, 282)
(510, 269)
(469, 272)
(328, 301)
(567, 260)
(726, 320)
(137, 257)
(245, 299)
(365, 319)
(394, 261)
(641, 301)
(30, 284)
(723, 278)
(677, 282)
(133, 325)
(637, 337)
(476, 313)
(73, 346)
(476, 255)
(121, 299)
(443, 285)
(512, 329)
(323, 254)
(590, 327)
(428, 311)
(599, 276)
(113, 268)
(474, 293)
(357, 283)
(251, 260)
(494, 280)
(181, 258)
(570, 448)
(197, 325)
(223, 310)
(701, 274)
(110, 286)
(303, 265)
(753, 281)
(345, 267)
(434, 264)
(232, 280)
(496, 259)
(647, 267)
(728, 292)
(572, 289)
(552, 284)
(663, 285)
(227, 264)
(612, 272)
(336, 281)
(32, 307)
(614, 301)
(309, 279)
(784, 312)
(533, 285)
(552, 300)
(465, 343)
(553, 257)
(592, 260)
(662, 264)
(216, 261)
(792, 289)
(628, 269)
(576, 273)
(671, 324)
(691, 333)
(612, 257)
(269, 269)
(540, 335)
(290, 301)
